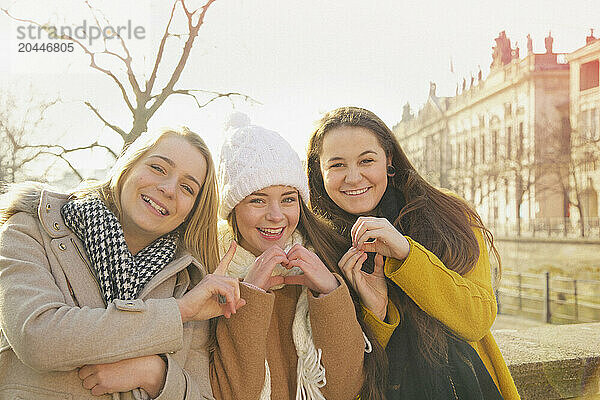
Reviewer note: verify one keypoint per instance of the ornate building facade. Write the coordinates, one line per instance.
(585, 123)
(500, 142)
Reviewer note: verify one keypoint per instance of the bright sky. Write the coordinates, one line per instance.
(298, 59)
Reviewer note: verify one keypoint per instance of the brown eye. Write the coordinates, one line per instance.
(188, 189)
(158, 168)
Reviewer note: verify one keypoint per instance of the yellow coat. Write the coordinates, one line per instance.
(466, 304)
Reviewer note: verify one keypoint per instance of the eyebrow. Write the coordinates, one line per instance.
(172, 164)
(360, 155)
(265, 195)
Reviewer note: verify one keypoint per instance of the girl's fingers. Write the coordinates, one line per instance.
(303, 265)
(379, 263)
(369, 235)
(361, 224)
(98, 391)
(84, 372)
(226, 290)
(351, 251)
(348, 268)
(352, 260)
(298, 251)
(90, 382)
(222, 267)
(356, 225)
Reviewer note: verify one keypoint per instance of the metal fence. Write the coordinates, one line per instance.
(549, 228)
(553, 299)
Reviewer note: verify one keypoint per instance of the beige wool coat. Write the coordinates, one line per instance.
(54, 320)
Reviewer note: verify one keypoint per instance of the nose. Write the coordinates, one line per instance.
(352, 175)
(168, 187)
(274, 213)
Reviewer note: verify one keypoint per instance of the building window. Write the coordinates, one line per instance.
(482, 149)
(590, 129)
(495, 144)
(509, 142)
(466, 155)
(507, 110)
(588, 75)
(521, 141)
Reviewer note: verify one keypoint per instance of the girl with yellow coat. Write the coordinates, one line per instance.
(431, 302)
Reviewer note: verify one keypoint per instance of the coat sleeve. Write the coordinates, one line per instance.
(238, 367)
(337, 333)
(381, 329)
(49, 335)
(190, 381)
(465, 304)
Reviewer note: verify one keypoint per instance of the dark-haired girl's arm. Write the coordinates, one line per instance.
(466, 304)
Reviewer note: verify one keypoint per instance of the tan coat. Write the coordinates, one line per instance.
(262, 329)
(53, 318)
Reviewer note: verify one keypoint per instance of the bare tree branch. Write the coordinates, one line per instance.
(61, 156)
(216, 96)
(193, 31)
(111, 126)
(159, 55)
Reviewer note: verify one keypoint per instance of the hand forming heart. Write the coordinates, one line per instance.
(315, 275)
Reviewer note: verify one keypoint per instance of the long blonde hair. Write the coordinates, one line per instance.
(198, 233)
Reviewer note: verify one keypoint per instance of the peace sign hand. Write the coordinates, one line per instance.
(372, 288)
(378, 235)
(202, 302)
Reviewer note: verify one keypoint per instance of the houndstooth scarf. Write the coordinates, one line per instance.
(121, 274)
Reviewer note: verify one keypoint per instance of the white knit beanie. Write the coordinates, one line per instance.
(253, 158)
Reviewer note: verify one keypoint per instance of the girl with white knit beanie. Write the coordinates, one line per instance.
(297, 337)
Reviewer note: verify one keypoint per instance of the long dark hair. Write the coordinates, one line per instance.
(330, 246)
(439, 221)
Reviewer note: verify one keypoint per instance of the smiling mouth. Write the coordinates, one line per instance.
(159, 209)
(271, 233)
(357, 192)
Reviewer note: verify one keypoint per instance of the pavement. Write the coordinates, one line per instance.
(506, 321)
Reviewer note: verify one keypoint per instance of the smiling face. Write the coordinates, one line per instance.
(267, 217)
(159, 191)
(354, 168)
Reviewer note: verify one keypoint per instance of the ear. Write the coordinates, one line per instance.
(388, 158)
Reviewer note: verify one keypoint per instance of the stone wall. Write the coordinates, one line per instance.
(553, 361)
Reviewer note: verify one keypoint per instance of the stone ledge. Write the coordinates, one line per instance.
(553, 361)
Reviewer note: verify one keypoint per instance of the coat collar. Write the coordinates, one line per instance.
(49, 213)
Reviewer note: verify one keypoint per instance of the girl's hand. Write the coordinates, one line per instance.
(260, 272)
(148, 373)
(377, 235)
(202, 302)
(372, 288)
(316, 275)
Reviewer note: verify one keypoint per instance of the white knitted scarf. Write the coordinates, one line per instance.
(310, 372)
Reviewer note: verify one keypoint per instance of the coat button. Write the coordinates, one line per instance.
(62, 246)
(48, 206)
(56, 226)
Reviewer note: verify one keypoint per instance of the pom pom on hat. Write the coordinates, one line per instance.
(253, 158)
(237, 120)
